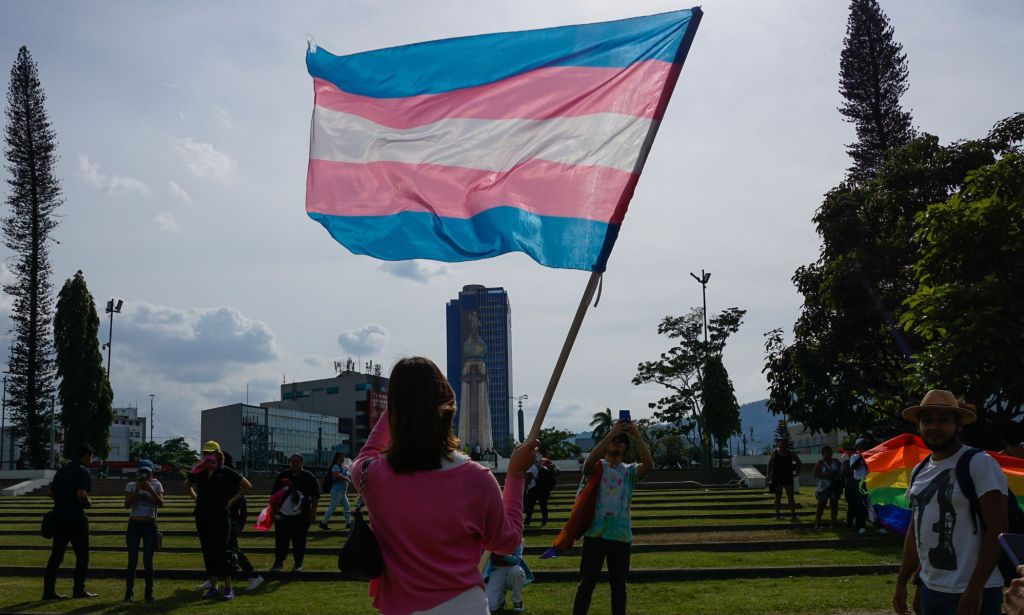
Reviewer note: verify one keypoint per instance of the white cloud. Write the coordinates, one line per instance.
(90, 172)
(224, 117)
(204, 160)
(178, 191)
(165, 222)
(364, 341)
(417, 271)
(197, 345)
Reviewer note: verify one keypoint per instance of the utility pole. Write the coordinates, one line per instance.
(111, 309)
(151, 396)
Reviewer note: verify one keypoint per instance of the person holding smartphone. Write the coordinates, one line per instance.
(142, 497)
(610, 535)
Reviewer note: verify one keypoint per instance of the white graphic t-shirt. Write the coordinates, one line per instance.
(947, 544)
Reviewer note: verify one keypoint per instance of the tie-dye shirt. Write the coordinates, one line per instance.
(611, 514)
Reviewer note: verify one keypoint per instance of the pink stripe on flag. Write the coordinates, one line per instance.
(538, 186)
(563, 91)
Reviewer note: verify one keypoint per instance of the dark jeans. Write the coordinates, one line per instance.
(939, 603)
(595, 550)
(213, 528)
(76, 532)
(146, 532)
(293, 530)
(856, 507)
(238, 559)
(533, 496)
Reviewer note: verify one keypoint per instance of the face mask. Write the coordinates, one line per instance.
(210, 459)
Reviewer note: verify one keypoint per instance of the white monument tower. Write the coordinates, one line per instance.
(475, 414)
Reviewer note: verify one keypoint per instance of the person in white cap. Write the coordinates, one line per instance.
(957, 550)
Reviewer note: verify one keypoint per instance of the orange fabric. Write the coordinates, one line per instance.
(582, 514)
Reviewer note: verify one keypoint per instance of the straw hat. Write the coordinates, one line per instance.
(937, 399)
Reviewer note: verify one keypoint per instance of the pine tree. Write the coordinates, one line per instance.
(872, 78)
(86, 398)
(721, 411)
(782, 435)
(30, 150)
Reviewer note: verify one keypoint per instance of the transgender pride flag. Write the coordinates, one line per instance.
(468, 148)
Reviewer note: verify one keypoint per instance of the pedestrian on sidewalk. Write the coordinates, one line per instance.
(433, 509)
(216, 488)
(339, 476)
(829, 473)
(783, 466)
(70, 490)
(610, 535)
(142, 498)
(294, 513)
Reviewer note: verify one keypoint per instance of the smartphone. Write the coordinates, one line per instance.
(1013, 546)
(624, 416)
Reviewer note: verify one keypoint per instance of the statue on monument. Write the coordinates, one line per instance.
(475, 413)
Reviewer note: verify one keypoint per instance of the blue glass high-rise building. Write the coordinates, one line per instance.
(494, 314)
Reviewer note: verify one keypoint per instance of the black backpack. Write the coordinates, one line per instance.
(1014, 514)
(328, 481)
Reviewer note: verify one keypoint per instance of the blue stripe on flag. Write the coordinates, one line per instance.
(565, 243)
(451, 64)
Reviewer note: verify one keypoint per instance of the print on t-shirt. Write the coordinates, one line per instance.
(942, 556)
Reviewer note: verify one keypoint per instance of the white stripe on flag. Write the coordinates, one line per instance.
(603, 139)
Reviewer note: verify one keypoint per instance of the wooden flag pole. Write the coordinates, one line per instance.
(563, 357)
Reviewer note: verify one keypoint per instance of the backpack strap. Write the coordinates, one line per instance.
(966, 483)
(918, 468)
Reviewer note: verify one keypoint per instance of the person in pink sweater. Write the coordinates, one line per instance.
(433, 510)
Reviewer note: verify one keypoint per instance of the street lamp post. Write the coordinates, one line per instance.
(151, 396)
(519, 415)
(111, 309)
(703, 281)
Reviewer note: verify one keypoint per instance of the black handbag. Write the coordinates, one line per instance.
(360, 558)
(48, 524)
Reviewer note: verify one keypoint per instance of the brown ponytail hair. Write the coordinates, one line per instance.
(421, 406)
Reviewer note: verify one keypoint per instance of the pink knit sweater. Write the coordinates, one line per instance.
(432, 526)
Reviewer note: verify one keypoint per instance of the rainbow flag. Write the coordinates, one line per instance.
(467, 148)
(890, 465)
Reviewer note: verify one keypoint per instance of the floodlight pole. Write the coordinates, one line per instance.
(112, 309)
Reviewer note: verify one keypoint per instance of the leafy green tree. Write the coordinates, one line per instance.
(669, 451)
(34, 196)
(556, 443)
(602, 424)
(782, 436)
(968, 307)
(721, 411)
(175, 451)
(849, 361)
(85, 395)
(680, 369)
(872, 78)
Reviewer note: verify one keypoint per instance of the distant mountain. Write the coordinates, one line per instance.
(755, 415)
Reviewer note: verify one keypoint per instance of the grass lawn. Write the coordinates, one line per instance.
(846, 595)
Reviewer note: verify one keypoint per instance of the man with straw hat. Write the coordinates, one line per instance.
(957, 552)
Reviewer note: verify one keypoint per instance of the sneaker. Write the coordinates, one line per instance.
(205, 585)
(255, 582)
(297, 568)
(54, 596)
(84, 593)
(129, 597)
(277, 568)
(324, 526)
(228, 595)
(211, 594)
(862, 531)
(517, 607)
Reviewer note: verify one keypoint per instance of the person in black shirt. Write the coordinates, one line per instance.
(294, 512)
(216, 488)
(70, 492)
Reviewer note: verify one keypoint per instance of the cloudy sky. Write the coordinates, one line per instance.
(184, 131)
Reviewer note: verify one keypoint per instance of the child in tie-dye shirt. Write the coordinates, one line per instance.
(611, 533)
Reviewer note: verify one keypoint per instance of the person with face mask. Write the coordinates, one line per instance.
(215, 488)
(294, 512)
(142, 497)
(610, 533)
